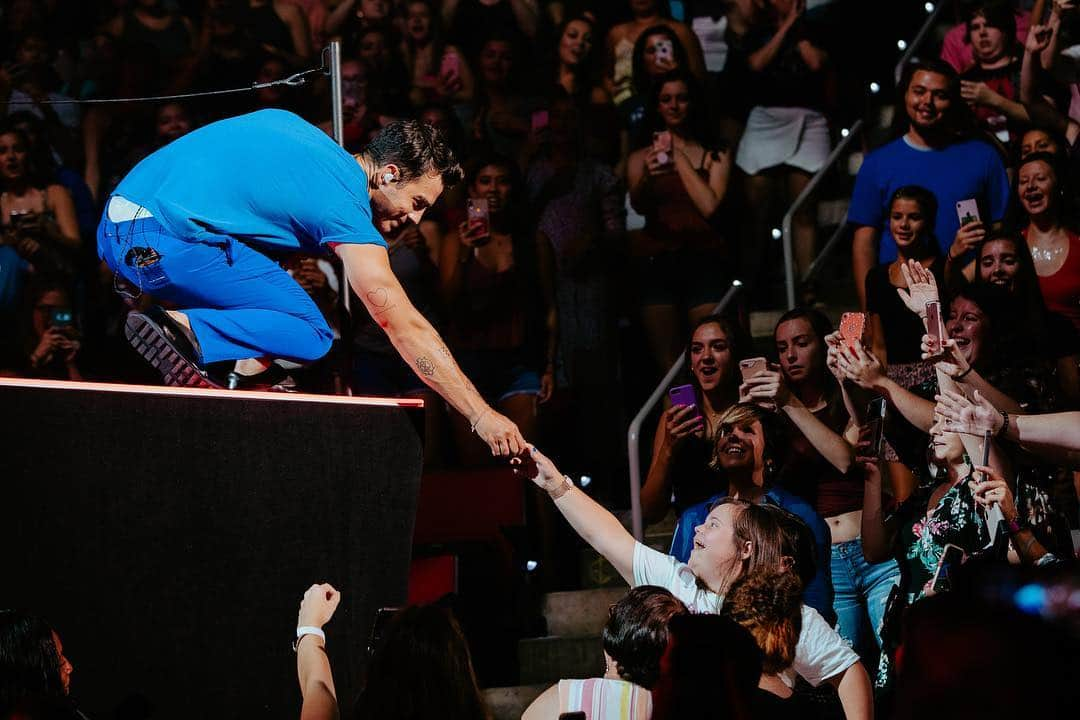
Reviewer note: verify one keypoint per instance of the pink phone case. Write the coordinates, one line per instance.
(539, 120)
(752, 366)
(451, 65)
(934, 326)
(478, 217)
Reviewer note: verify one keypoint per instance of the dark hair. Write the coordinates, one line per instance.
(710, 670)
(768, 603)
(772, 430)
(422, 669)
(928, 205)
(417, 149)
(695, 118)
(641, 80)
(1026, 312)
(1064, 203)
(959, 121)
(636, 632)
(1005, 346)
(998, 15)
(735, 345)
(822, 327)
(29, 662)
(437, 33)
(37, 173)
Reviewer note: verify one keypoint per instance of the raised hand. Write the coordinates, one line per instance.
(921, 287)
(861, 366)
(318, 606)
(964, 416)
(682, 421)
(946, 355)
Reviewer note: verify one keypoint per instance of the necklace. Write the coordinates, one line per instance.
(1047, 253)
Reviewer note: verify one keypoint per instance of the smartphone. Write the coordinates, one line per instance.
(934, 327)
(952, 558)
(967, 211)
(479, 221)
(987, 437)
(852, 327)
(875, 417)
(450, 66)
(662, 145)
(752, 366)
(539, 120)
(60, 318)
(577, 715)
(665, 53)
(684, 395)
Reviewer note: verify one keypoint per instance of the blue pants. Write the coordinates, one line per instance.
(240, 303)
(861, 590)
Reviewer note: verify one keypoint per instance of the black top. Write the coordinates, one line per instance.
(903, 328)
(787, 81)
(767, 706)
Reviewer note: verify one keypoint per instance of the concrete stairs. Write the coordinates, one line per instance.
(572, 647)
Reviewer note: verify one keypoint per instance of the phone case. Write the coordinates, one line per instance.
(539, 120)
(751, 367)
(952, 557)
(477, 209)
(934, 326)
(875, 412)
(967, 211)
(684, 395)
(852, 327)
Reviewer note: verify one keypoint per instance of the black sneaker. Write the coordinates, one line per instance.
(165, 345)
(273, 379)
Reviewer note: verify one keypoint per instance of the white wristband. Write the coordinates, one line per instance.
(307, 630)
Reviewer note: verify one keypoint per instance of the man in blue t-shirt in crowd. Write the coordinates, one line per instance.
(187, 225)
(938, 153)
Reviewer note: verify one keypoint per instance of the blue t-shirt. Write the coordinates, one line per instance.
(961, 171)
(818, 593)
(267, 177)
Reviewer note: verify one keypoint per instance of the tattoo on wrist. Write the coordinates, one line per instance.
(425, 366)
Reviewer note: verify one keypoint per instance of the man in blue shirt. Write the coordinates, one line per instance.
(934, 153)
(189, 223)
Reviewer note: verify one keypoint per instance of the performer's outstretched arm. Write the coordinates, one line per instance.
(367, 268)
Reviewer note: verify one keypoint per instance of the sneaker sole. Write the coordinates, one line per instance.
(150, 342)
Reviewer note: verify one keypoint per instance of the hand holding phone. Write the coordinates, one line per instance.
(968, 212)
(450, 67)
(478, 222)
(750, 367)
(952, 557)
(852, 328)
(662, 147)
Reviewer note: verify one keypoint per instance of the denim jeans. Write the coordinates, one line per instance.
(240, 303)
(861, 590)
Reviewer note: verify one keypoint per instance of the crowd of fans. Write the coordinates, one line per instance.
(834, 501)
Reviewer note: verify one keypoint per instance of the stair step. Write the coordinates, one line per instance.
(508, 703)
(580, 612)
(549, 659)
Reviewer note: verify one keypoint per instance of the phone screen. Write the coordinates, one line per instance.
(60, 317)
(478, 217)
(951, 559)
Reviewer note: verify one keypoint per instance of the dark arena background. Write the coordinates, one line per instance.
(173, 553)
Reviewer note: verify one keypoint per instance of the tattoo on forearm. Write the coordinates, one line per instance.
(425, 366)
(380, 301)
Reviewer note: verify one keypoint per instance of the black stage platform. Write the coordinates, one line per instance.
(168, 534)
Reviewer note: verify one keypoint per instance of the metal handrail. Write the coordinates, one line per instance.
(789, 261)
(920, 37)
(633, 435)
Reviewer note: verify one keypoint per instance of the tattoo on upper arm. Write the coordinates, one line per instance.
(380, 301)
(425, 366)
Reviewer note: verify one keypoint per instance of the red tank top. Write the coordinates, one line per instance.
(1061, 291)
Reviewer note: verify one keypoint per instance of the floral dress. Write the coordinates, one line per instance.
(923, 535)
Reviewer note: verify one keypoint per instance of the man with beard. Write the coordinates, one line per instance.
(190, 225)
(938, 152)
